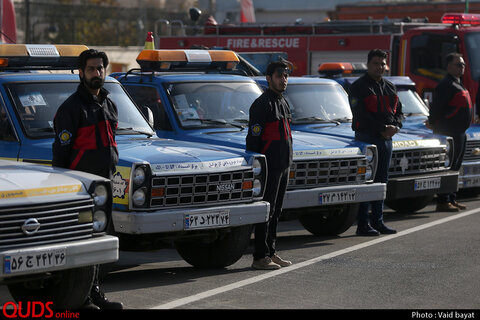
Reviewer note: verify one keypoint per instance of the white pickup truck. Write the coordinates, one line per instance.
(52, 232)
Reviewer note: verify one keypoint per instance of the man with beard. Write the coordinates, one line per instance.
(85, 127)
(269, 133)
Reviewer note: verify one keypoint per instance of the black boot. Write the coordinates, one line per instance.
(98, 298)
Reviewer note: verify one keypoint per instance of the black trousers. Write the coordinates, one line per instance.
(266, 233)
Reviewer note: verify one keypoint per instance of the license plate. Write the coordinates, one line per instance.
(34, 260)
(426, 184)
(337, 197)
(207, 220)
(471, 182)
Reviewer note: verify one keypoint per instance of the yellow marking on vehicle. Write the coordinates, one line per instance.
(35, 192)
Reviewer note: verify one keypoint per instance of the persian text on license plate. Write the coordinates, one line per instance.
(34, 260)
(206, 220)
(337, 197)
(426, 184)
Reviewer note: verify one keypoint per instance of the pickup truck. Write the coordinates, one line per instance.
(193, 97)
(53, 226)
(202, 198)
(420, 165)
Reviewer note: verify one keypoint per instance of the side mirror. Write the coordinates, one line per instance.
(427, 103)
(147, 112)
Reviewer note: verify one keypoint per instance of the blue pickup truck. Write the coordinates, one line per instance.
(203, 198)
(194, 97)
(420, 162)
(416, 112)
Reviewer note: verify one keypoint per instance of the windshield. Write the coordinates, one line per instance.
(412, 104)
(210, 104)
(37, 103)
(318, 103)
(472, 43)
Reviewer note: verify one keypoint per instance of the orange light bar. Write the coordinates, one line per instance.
(158, 60)
(361, 170)
(461, 18)
(341, 67)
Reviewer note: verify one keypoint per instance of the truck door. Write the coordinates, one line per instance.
(9, 142)
(424, 54)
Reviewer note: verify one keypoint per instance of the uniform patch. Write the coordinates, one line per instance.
(353, 101)
(65, 137)
(256, 130)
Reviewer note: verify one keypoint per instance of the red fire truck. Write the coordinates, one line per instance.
(8, 32)
(417, 49)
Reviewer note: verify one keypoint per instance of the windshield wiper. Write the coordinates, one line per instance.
(149, 134)
(215, 121)
(316, 119)
(344, 119)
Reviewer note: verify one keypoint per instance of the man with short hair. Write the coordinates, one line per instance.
(451, 115)
(377, 117)
(85, 127)
(269, 133)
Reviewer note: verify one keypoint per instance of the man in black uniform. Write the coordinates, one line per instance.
(85, 127)
(377, 117)
(450, 115)
(269, 133)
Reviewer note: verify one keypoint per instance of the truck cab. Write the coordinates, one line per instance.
(53, 226)
(420, 161)
(195, 96)
(203, 198)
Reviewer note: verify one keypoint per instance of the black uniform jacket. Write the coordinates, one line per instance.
(269, 130)
(85, 133)
(374, 105)
(451, 109)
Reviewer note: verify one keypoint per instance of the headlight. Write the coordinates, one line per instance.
(99, 221)
(139, 176)
(257, 167)
(370, 155)
(448, 153)
(100, 196)
(257, 188)
(139, 197)
(369, 173)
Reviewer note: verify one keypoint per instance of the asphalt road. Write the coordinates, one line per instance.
(433, 263)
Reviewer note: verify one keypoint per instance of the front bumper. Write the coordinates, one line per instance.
(469, 175)
(172, 220)
(79, 253)
(334, 195)
(423, 185)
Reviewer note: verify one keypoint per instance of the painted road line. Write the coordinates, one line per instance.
(271, 274)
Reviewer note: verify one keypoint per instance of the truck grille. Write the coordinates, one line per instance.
(319, 173)
(470, 148)
(417, 161)
(185, 190)
(58, 223)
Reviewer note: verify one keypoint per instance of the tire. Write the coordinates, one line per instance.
(67, 289)
(225, 250)
(409, 205)
(330, 222)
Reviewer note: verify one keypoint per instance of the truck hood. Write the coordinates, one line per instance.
(344, 130)
(167, 151)
(22, 183)
(302, 141)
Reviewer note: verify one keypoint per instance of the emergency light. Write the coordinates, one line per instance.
(194, 60)
(37, 56)
(342, 68)
(461, 18)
